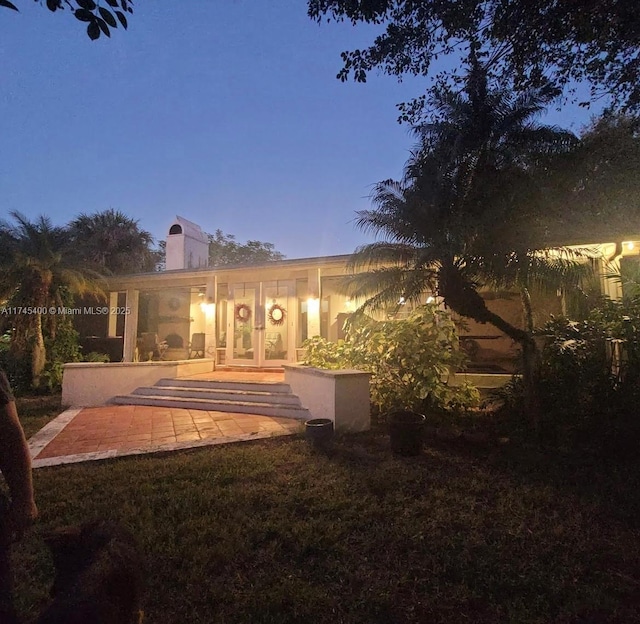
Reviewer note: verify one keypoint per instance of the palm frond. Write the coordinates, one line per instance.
(385, 287)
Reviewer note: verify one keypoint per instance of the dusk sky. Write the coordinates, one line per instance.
(227, 113)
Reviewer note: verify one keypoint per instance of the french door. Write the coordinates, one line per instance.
(261, 322)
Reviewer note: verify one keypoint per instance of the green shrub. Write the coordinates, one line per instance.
(585, 398)
(323, 353)
(62, 346)
(94, 356)
(407, 359)
(18, 371)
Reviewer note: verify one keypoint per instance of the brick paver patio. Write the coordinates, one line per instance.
(104, 432)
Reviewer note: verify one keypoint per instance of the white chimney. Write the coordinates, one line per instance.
(187, 246)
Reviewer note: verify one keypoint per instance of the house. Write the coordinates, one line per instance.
(261, 315)
(249, 315)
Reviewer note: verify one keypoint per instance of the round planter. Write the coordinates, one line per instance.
(406, 431)
(319, 431)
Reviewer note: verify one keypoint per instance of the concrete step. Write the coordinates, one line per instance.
(280, 410)
(245, 386)
(220, 394)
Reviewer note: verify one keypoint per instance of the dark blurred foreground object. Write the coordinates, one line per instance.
(98, 576)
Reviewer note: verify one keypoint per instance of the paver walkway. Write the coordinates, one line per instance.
(93, 433)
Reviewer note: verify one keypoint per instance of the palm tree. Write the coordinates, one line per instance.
(38, 268)
(467, 212)
(111, 242)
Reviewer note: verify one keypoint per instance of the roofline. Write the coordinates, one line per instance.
(188, 273)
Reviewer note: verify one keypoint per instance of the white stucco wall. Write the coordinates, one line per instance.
(86, 384)
(342, 396)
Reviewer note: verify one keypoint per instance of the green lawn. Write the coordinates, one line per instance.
(36, 411)
(274, 532)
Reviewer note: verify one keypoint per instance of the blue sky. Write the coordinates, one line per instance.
(227, 113)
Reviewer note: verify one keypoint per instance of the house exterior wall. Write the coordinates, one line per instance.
(197, 301)
(315, 305)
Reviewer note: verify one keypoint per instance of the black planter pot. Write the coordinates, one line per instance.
(319, 431)
(406, 430)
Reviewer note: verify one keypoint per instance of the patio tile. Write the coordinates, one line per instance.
(208, 427)
(202, 420)
(161, 428)
(163, 439)
(205, 435)
(146, 437)
(90, 433)
(187, 437)
(181, 432)
(232, 432)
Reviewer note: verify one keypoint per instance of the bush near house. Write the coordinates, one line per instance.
(407, 359)
(16, 367)
(61, 343)
(61, 346)
(589, 384)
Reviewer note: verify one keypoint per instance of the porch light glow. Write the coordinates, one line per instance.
(313, 305)
(402, 301)
(430, 299)
(630, 245)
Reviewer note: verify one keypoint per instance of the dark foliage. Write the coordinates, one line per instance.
(589, 380)
(224, 250)
(112, 243)
(99, 19)
(531, 40)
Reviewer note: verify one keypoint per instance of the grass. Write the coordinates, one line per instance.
(36, 411)
(273, 531)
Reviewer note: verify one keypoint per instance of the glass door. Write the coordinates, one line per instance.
(243, 324)
(261, 320)
(278, 346)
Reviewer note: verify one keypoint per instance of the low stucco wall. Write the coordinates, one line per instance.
(86, 384)
(341, 395)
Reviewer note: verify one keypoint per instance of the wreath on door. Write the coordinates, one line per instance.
(276, 314)
(243, 313)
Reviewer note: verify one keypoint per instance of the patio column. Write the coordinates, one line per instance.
(131, 325)
(113, 317)
(313, 303)
(210, 317)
